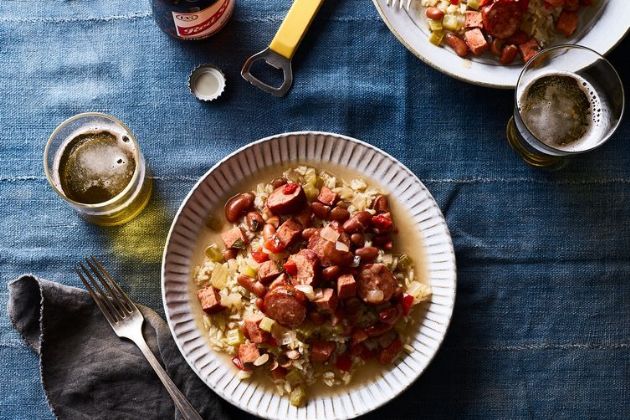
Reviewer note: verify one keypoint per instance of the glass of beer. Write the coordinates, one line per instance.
(93, 161)
(569, 100)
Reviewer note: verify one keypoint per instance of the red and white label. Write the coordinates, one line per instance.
(205, 22)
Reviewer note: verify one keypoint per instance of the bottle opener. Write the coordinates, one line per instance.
(283, 46)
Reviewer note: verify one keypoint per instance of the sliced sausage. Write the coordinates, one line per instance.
(306, 262)
(289, 232)
(502, 18)
(288, 198)
(322, 350)
(376, 284)
(346, 286)
(248, 352)
(268, 271)
(210, 300)
(327, 196)
(327, 302)
(286, 305)
(234, 238)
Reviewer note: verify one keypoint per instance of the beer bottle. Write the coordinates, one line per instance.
(192, 19)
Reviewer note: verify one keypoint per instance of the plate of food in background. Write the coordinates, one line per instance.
(309, 275)
(487, 42)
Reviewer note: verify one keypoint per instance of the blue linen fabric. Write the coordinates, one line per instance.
(542, 318)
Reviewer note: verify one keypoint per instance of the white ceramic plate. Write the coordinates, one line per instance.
(208, 196)
(601, 28)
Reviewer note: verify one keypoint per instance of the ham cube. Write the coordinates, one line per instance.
(268, 271)
(476, 41)
(306, 262)
(234, 238)
(346, 286)
(248, 352)
(327, 301)
(210, 300)
(254, 332)
(289, 232)
(473, 20)
(327, 196)
(322, 350)
(529, 49)
(567, 23)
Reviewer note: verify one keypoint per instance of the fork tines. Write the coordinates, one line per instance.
(102, 287)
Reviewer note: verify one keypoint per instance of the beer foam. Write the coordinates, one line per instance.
(95, 163)
(557, 117)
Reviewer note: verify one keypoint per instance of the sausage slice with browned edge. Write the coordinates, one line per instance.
(376, 284)
(502, 18)
(286, 305)
(288, 198)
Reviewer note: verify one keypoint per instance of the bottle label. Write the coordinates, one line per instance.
(203, 23)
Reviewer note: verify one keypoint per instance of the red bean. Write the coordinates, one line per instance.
(254, 221)
(357, 239)
(339, 214)
(381, 204)
(320, 210)
(457, 44)
(353, 225)
(278, 182)
(252, 285)
(274, 220)
(268, 231)
(237, 205)
(331, 273)
(367, 254)
(434, 13)
(508, 54)
(308, 232)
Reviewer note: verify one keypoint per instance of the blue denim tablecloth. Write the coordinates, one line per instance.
(542, 319)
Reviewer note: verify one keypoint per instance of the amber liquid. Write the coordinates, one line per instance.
(96, 167)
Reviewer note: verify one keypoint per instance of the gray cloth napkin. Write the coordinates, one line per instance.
(87, 371)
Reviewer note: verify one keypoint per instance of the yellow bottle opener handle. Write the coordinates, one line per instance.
(294, 27)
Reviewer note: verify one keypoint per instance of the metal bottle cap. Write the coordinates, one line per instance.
(206, 82)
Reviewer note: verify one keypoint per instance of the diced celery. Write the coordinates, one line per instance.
(294, 377)
(436, 37)
(298, 397)
(219, 276)
(213, 253)
(266, 324)
(311, 191)
(249, 271)
(234, 337)
(435, 25)
(474, 4)
(450, 22)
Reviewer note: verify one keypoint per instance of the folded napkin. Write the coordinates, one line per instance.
(87, 371)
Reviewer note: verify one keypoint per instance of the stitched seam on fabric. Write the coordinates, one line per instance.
(428, 181)
(548, 346)
(144, 15)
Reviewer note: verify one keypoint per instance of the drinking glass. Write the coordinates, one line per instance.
(602, 86)
(130, 200)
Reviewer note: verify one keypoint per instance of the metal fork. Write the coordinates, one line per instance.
(401, 3)
(126, 321)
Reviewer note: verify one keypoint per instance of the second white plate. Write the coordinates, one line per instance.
(601, 28)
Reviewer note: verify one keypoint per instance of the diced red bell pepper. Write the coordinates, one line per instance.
(455, 2)
(290, 188)
(290, 267)
(407, 303)
(274, 245)
(344, 362)
(259, 256)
